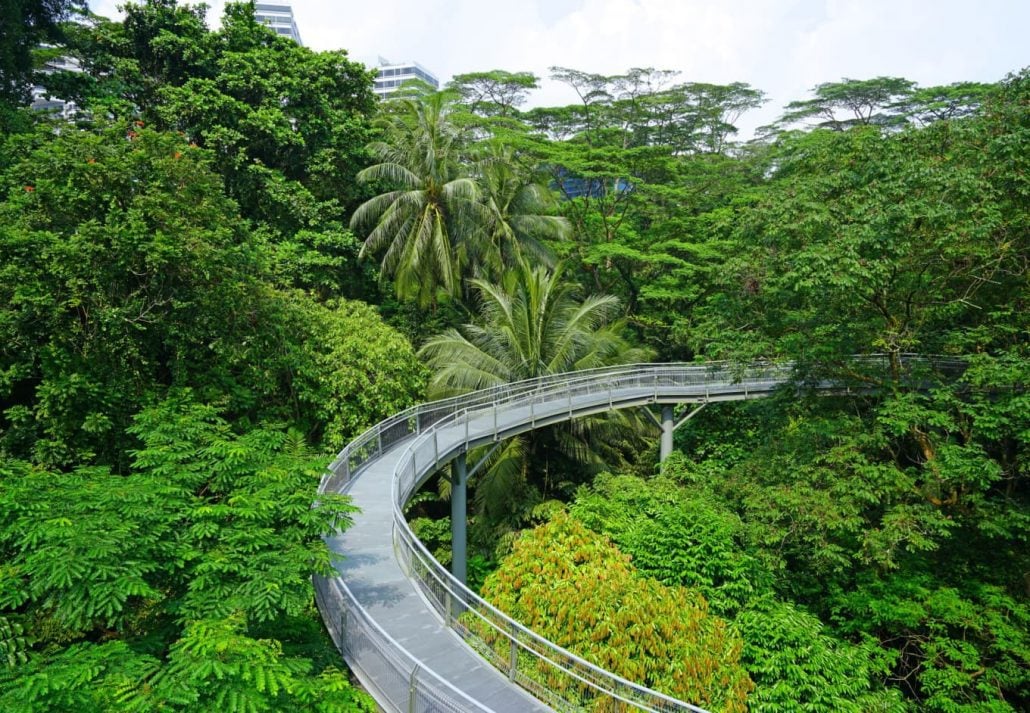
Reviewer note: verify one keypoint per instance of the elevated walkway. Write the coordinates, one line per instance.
(415, 636)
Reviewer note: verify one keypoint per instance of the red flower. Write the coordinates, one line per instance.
(29, 189)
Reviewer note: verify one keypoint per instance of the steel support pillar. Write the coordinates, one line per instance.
(459, 518)
(668, 426)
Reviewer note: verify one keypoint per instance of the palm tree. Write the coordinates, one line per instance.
(519, 210)
(531, 324)
(425, 223)
(446, 216)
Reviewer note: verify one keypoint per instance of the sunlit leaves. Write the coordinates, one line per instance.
(575, 588)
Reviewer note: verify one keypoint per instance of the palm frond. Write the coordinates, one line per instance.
(501, 491)
(393, 173)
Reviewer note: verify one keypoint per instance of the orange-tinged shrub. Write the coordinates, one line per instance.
(574, 587)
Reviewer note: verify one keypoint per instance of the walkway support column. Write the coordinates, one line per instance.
(668, 426)
(459, 518)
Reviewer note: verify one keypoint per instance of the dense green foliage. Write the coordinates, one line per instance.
(181, 351)
(682, 536)
(127, 271)
(870, 550)
(571, 586)
(899, 517)
(181, 585)
(532, 324)
(188, 326)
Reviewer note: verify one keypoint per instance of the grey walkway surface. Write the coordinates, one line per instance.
(375, 578)
(378, 610)
(373, 575)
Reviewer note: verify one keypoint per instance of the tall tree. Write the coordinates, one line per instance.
(644, 107)
(926, 105)
(126, 271)
(851, 102)
(493, 93)
(519, 217)
(427, 222)
(533, 324)
(456, 210)
(123, 266)
(639, 159)
(287, 126)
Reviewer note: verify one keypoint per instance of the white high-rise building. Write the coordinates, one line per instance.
(391, 76)
(53, 105)
(280, 18)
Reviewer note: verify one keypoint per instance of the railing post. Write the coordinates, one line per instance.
(495, 421)
(513, 653)
(436, 446)
(379, 442)
(459, 481)
(412, 688)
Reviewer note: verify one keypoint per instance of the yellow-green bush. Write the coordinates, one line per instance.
(574, 587)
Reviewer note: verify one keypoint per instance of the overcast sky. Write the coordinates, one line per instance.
(783, 47)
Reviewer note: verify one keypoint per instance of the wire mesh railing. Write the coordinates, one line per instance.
(393, 676)
(440, 430)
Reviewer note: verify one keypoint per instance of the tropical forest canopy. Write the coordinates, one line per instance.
(232, 259)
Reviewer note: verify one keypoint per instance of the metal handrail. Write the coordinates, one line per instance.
(420, 412)
(456, 603)
(470, 603)
(603, 683)
(336, 590)
(423, 413)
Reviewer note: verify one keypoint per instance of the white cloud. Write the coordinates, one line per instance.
(783, 47)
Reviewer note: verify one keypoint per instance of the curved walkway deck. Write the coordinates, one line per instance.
(415, 637)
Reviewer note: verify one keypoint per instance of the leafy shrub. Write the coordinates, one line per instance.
(575, 588)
